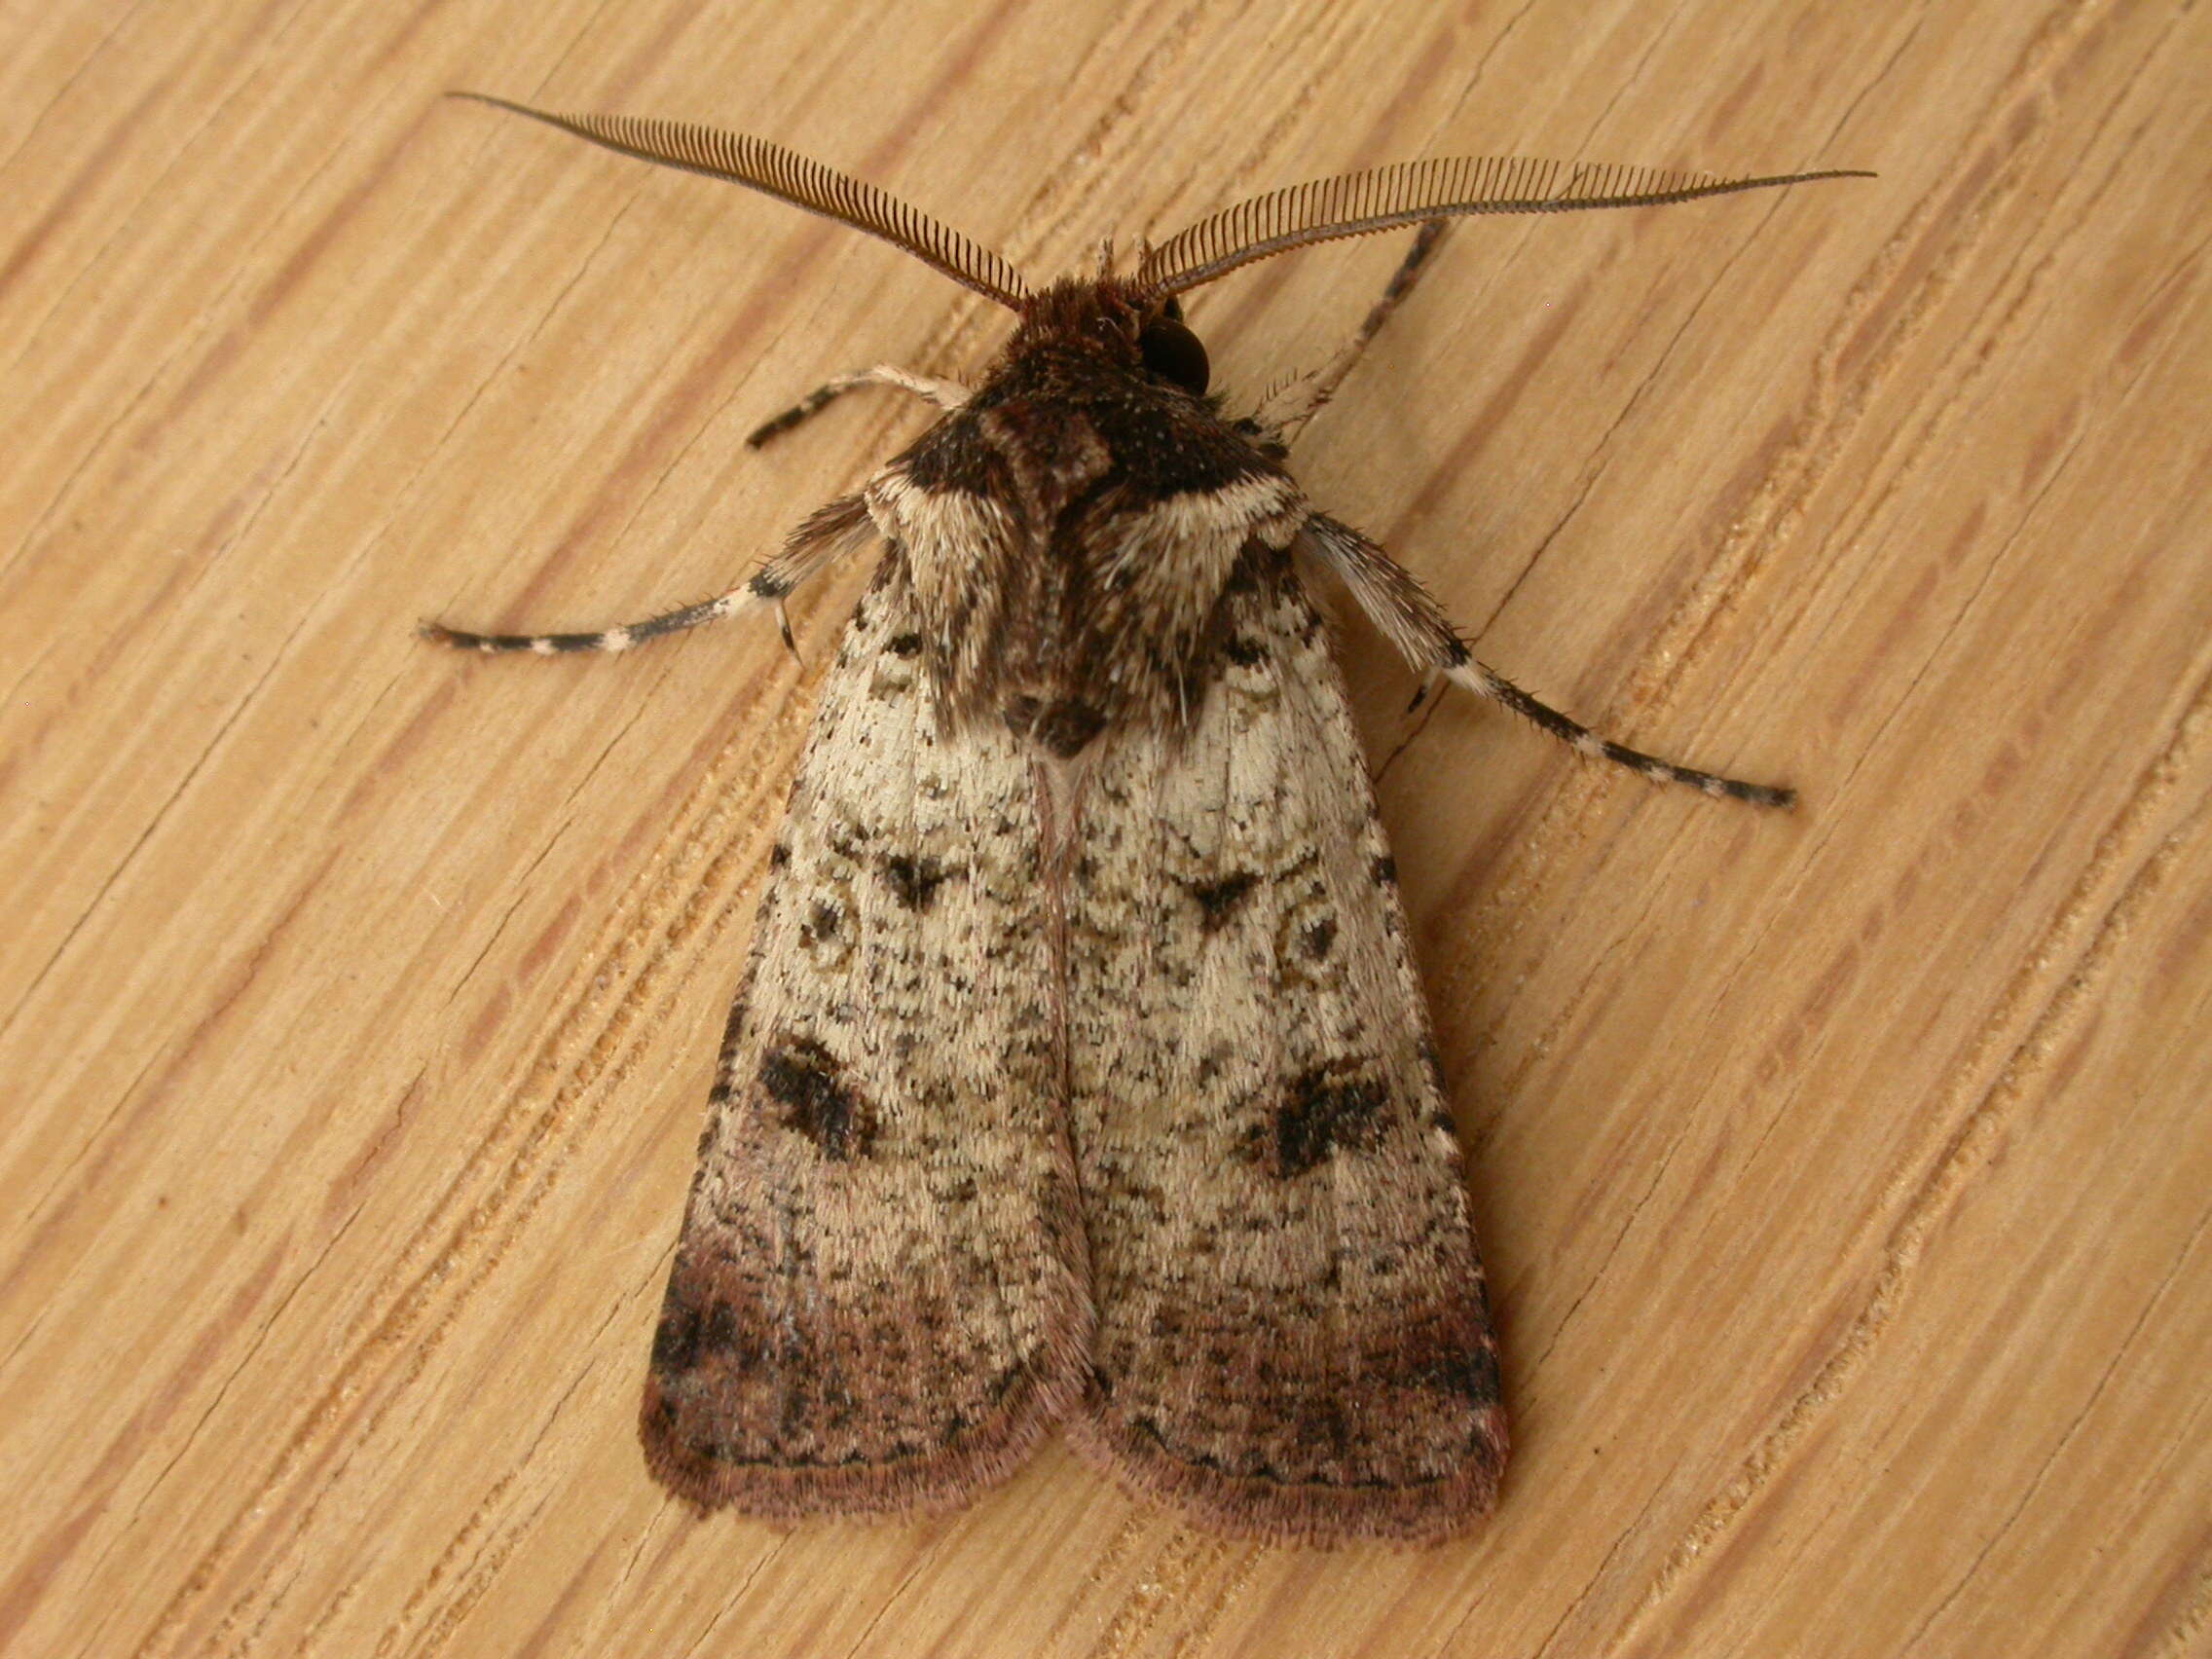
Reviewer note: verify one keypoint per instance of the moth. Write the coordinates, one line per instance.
(1081, 1073)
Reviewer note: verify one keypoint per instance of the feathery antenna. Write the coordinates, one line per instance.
(789, 178)
(1382, 199)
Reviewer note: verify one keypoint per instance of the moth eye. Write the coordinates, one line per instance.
(1173, 353)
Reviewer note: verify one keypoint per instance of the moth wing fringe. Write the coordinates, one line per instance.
(1323, 1517)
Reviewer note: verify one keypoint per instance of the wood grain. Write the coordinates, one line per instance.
(1845, 1176)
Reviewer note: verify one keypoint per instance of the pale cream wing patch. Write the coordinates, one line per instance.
(1291, 1336)
(879, 1298)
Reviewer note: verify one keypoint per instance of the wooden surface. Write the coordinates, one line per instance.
(1844, 1176)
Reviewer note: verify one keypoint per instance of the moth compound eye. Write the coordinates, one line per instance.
(1173, 353)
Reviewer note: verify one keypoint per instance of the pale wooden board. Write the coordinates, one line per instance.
(1844, 1176)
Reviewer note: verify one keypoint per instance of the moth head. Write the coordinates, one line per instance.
(1131, 326)
(1147, 310)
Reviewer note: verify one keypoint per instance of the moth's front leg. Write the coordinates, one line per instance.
(944, 393)
(835, 529)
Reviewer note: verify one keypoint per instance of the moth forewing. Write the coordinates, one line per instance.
(1081, 1070)
(879, 1298)
(1291, 1331)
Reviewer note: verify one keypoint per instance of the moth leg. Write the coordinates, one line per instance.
(831, 530)
(1313, 391)
(944, 393)
(1402, 608)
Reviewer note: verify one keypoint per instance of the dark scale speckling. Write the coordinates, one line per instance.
(1433, 1063)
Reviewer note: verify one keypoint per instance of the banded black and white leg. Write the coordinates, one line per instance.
(944, 393)
(1306, 398)
(827, 534)
(1402, 608)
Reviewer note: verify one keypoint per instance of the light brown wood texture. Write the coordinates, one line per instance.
(1844, 1176)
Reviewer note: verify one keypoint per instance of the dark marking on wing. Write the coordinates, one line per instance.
(1333, 1107)
(1220, 899)
(915, 881)
(805, 1077)
(675, 1339)
(683, 1338)
(1467, 1371)
(1243, 650)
